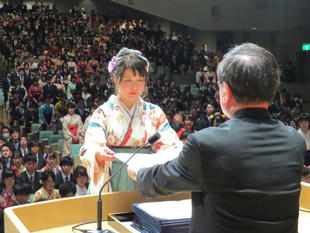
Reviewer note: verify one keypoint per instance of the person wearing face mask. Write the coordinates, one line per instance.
(5, 133)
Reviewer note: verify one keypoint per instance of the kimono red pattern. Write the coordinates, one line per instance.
(7, 199)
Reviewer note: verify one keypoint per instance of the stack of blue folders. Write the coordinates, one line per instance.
(163, 217)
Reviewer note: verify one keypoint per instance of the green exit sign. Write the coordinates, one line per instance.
(305, 47)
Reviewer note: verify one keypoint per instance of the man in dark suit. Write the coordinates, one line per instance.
(97, 88)
(50, 90)
(30, 176)
(19, 113)
(81, 110)
(245, 174)
(14, 141)
(7, 82)
(66, 164)
(34, 149)
(6, 156)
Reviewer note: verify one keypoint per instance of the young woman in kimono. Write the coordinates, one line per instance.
(72, 130)
(125, 120)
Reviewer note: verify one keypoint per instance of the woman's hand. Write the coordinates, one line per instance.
(105, 154)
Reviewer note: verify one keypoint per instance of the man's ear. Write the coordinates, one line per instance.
(226, 93)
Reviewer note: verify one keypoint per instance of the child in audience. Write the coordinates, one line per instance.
(22, 192)
(30, 176)
(81, 178)
(66, 164)
(67, 189)
(17, 166)
(47, 191)
(7, 197)
(50, 158)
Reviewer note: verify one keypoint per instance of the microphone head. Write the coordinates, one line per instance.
(153, 138)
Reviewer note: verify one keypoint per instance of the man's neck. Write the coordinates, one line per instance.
(236, 107)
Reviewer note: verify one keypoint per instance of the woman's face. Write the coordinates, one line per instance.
(81, 180)
(130, 87)
(49, 184)
(304, 125)
(9, 182)
(71, 111)
(50, 161)
(17, 161)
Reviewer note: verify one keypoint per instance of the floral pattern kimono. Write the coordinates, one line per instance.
(7, 199)
(112, 125)
(71, 126)
(42, 194)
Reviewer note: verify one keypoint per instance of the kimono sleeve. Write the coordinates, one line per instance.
(93, 149)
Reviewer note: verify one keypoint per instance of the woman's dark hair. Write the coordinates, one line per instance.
(70, 105)
(6, 174)
(49, 154)
(188, 116)
(80, 171)
(46, 174)
(251, 72)
(185, 134)
(93, 106)
(130, 58)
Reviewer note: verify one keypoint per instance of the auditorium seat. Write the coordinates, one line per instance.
(35, 127)
(75, 149)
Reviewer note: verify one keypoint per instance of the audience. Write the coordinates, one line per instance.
(81, 180)
(7, 196)
(67, 189)
(22, 192)
(31, 176)
(51, 165)
(47, 191)
(65, 175)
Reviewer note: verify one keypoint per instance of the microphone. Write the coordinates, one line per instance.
(150, 140)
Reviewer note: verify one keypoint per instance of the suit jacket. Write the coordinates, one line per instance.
(96, 90)
(83, 115)
(59, 180)
(24, 153)
(4, 163)
(50, 90)
(18, 114)
(36, 180)
(13, 145)
(41, 161)
(244, 175)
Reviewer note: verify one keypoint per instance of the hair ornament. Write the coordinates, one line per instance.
(111, 64)
(148, 67)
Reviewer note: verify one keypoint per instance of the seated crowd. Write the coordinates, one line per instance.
(58, 77)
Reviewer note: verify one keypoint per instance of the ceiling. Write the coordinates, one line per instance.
(232, 15)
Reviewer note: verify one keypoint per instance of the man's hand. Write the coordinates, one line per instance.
(132, 173)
